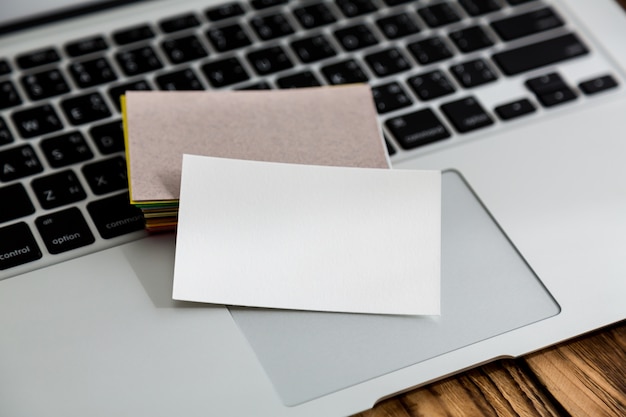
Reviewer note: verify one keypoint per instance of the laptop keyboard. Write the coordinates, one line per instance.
(440, 72)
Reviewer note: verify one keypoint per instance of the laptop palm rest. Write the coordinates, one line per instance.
(487, 289)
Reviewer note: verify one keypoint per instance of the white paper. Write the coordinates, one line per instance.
(306, 237)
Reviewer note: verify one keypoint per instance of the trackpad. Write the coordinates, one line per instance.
(308, 354)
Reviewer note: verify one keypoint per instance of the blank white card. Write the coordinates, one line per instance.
(304, 237)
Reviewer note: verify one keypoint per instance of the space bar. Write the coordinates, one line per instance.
(529, 57)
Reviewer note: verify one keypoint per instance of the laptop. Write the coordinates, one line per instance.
(520, 104)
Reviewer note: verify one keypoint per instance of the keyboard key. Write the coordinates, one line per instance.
(597, 85)
(439, 14)
(466, 114)
(9, 96)
(313, 49)
(224, 11)
(473, 73)
(397, 26)
(314, 15)
(551, 89)
(18, 162)
(184, 49)
(66, 149)
(355, 37)
(352, 8)
(179, 80)
(525, 24)
(390, 149)
(344, 72)
(515, 109)
(109, 137)
(389, 97)
(5, 133)
(431, 85)
(269, 60)
(261, 85)
(86, 46)
(116, 92)
(115, 216)
(107, 175)
(181, 22)
(44, 84)
(5, 67)
(20, 204)
(138, 61)
(225, 72)
(227, 38)
(299, 80)
(92, 72)
(518, 2)
(264, 4)
(271, 26)
(430, 50)
(529, 57)
(133, 34)
(17, 246)
(471, 39)
(417, 129)
(58, 189)
(479, 7)
(36, 121)
(37, 58)
(64, 230)
(85, 109)
(387, 62)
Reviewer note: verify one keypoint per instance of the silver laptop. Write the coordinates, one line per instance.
(520, 103)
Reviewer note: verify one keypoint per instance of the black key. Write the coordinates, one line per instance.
(473, 73)
(439, 14)
(269, 60)
(16, 203)
(179, 80)
(355, 37)
(37, 121)
(109, 137)
(515, 109)
(551, 89)
(18, 162)
(271, 26)
(66, 149)
(17, 246)
(395, 2)
(261, 85)
(225, 72)
(518, 2)
(351, 8)
(471, 39)
(9, 96)
(529, 57)
(314, 15)
(387, 62)
(116, 92)
(417, 129)
(184, 49)
(299, 80)
(313, 49)
(344, 72)
(224, 11)
(397, 26)
(86, 46)
(45, 84)
(115, 216)
(431, 85)
(58, 189)
(93, 72)
(264, 4)
(479, 7)
(107, 175)
(597, 85)
(85, 109)
(37, 58)
(227, 38)
(5, 67)
(466, 114)
(64, 230)
(390, 97)
(176, 23)
(525, 24)
(430, 50)
(5, 133)
(138, 61)
(133, 34)
(390, 149)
